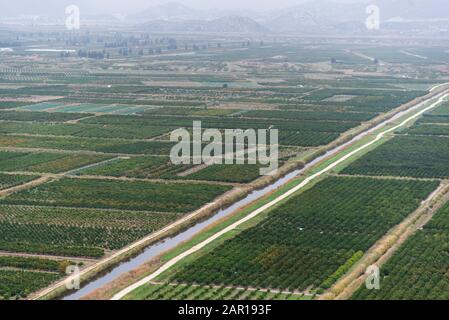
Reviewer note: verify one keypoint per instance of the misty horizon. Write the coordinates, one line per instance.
(284, 16)
(101, 7)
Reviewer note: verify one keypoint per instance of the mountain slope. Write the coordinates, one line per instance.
(168, 11)
(226, 24)
(327, 15)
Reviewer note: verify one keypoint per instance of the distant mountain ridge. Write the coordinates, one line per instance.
(309, 17)
(168, 11)
(225, 24)
(326, 15)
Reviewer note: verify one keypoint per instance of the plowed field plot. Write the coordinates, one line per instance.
(39, 116)
(304, 133)
(95, 108)
(442, 110)
(11, 104)
(227, 123)
(83, 130)
(312, 239)
(28, 263)
(431, 118)
(87, 144)
(19, 284)
(227, 173)
(192, 292)
(124, 132)
(406, 156)
(365, 99)
(190, 111)
(75, 231)
(306, 138)
(311, 115)
(128, 195)
(418, 270)
(45, 162)
(9, 181)
(428, 129)
(138, 167)
(41, 106)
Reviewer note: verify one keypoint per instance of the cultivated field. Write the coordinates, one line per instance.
(311, 240)
(85, 169)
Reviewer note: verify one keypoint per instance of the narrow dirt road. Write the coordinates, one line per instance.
(271, 204)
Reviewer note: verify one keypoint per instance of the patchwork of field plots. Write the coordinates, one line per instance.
(45, 162)
(8, 181)
(418, 270)
(435, 123)
(407, 156)
(128, 195)
(307, 132)
(116, 146)
(38, 116)
(83, 130)
(16, 284)
(195, 292)
(365, 100)
(136, 167)
(311, 240)
(85, 108)
(84, 156)
(20, 276)
(421, 151)
(80, 232)
(227, 173)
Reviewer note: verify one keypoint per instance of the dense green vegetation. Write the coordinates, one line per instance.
(366, 99)
(36, 264)
(19, 284)
(226, 123)
(191, 292)
(430, 118)
(428, 129)
(45, 162)
(65, 240)
(86, 144)
(305, 241)
(306, 138)
(128, 195)
(11, 104)
(83, 130)
(9, 181)
(75, 231)
(442, 110)
(84, 217)
(190, 111)
(418, 270)
(407, 156)
(102, 115)
(227, 173)
(138, 167)
(311, 115)
(39, 116)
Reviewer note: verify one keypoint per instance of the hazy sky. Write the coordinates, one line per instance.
(15, 7)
